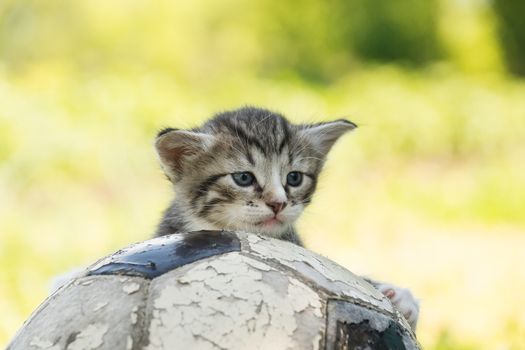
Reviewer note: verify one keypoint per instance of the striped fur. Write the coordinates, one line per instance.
(200, 163)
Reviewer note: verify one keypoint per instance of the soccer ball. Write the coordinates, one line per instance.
(215, 290)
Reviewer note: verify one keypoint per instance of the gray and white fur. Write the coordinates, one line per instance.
(202, 165)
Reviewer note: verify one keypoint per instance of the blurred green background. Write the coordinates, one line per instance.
(428, 193)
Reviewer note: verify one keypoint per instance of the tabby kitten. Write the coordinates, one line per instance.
(247, 169)
(250, 170)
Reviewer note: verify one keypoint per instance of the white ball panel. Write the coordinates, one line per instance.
(233, 302)
(318, 269)
(95, 312)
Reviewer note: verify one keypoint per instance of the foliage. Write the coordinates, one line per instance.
(401, 31)
(512, 33)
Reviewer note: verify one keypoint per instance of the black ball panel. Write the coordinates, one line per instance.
(155, 257)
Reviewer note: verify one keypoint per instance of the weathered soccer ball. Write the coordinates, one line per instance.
(215, 290)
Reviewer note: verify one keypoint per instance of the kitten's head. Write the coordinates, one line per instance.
(247, 169)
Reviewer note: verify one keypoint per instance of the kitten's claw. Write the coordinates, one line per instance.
(403, 300)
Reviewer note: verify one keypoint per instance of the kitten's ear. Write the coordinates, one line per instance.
(324, 135)
(174, 147)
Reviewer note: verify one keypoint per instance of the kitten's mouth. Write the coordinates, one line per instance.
(273, 221)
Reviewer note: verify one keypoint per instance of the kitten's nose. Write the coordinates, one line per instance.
(276, 206)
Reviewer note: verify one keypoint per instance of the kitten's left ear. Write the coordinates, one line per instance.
(324, 135)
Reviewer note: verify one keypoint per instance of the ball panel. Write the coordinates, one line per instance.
(333, 278)
(352, 326)
(155, 257)
(233, 302)
(99, 312)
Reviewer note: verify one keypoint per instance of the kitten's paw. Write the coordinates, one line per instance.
(403, 300)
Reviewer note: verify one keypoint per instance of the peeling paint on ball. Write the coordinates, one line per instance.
(241, 291)
(227, 303)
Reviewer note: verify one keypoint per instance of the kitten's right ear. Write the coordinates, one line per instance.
(175, 147)
(324, 135)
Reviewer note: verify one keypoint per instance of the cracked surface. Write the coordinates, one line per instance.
(90, 313)
(89, 338)
(359, 327)
(131, 288)
(318, 269)
(37, 343)
(227, 303)
(264, 294)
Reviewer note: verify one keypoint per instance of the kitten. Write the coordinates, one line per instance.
(251, 170)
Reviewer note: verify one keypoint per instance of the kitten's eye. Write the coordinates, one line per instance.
(294, 178)
(243, 179)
